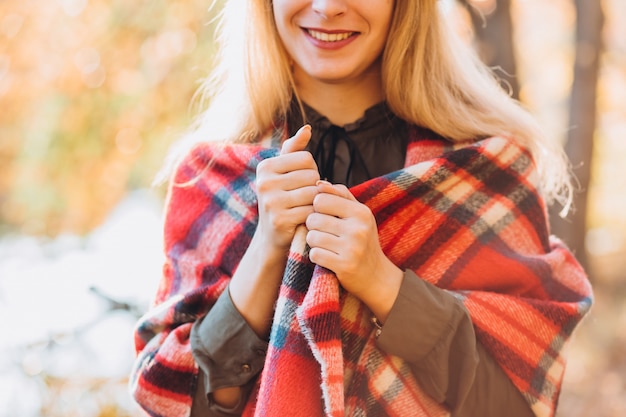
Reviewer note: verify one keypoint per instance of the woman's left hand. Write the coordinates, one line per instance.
(343, 237)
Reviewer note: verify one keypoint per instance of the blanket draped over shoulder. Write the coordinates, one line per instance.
(467, 219)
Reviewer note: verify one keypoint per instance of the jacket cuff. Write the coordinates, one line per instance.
(431, 329)
(422, 316)
(225, 347)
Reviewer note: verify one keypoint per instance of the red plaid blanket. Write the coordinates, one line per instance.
(467, 219)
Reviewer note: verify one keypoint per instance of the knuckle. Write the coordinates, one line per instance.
(363, 212)
(305, 159)
(263, 165)
(320, 199)
(267, 165)
(360, 233)
(277, 222)
(310, 238)
(313, 255)
(313, 175)
(274, 222)
(262, 185)
(310, 221)
(268, 204)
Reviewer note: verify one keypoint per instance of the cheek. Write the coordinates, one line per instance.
(278, 9)
(284, 12)
(382, 14)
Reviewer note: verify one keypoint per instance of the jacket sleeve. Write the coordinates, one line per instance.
(228, 353)
(205, 234)
(446, 359)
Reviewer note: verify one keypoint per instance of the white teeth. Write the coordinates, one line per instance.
(329, 37)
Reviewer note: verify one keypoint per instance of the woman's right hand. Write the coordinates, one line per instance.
(286, 187)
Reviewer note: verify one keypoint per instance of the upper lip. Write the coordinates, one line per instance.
(329, 31)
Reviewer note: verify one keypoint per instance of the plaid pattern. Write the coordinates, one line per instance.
(466, 218)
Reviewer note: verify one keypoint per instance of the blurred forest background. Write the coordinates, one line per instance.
(92, 94)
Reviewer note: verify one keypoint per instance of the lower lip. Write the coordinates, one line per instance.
(329, 45)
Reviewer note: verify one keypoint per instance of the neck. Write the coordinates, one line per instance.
(344, 102)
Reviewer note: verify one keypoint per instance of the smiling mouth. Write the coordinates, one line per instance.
(329, 37)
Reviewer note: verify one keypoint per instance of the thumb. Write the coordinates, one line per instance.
(298, 141)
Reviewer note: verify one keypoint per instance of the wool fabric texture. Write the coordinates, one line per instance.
(466, 218)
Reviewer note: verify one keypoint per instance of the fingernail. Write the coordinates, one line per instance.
(319, 182)
(304, 127)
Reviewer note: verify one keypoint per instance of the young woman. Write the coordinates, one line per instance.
(358, 229)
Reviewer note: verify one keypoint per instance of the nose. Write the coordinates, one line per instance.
(329, 8)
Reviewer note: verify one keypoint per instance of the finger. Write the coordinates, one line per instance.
(324, 223)
(279, 202)
(344, 191)
(295, 161)
(324, 241)
(326, 258)
(339, 190)
(302, 196)
(338, 206)
(298, 141)
(298, 215)
(298, 179)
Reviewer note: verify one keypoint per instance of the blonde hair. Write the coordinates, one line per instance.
(429, 77)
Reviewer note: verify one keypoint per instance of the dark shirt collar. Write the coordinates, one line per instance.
(378, 116)
(373, 145)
